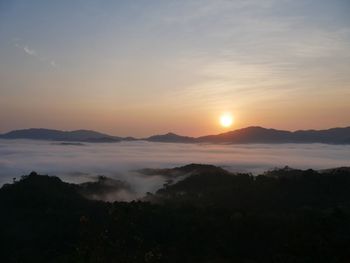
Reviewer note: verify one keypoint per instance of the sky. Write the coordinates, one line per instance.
(144, 67)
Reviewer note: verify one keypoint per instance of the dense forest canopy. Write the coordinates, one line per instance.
(210, 215)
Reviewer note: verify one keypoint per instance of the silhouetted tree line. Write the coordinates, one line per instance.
(212, 215)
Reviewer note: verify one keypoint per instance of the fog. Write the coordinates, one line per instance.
(80, 163)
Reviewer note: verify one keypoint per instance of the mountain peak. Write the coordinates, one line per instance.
(170, 137)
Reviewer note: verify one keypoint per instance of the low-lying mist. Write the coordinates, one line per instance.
(120, 161)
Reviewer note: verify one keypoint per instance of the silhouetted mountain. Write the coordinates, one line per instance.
(282, 189)
(56, 135)
(245, 135)
(335, 135)
(248, 135)
(263, 135)
(170, 137)
(129, 138)
(69, 143)
(189, 169)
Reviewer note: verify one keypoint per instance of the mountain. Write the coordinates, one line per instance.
(170, 137)
(334, 135)
(56, 135)
(257, 134)
(263, 135)
(252, 134)
(282, 189)
(248, 135)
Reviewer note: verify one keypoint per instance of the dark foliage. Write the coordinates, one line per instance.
(210, 216)
(102, 187)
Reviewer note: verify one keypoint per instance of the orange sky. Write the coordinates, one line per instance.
(143, 68)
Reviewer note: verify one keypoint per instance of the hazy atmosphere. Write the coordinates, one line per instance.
(151, 131)
(81, 163)
(137, 68)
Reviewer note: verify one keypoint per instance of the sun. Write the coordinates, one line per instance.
(226, 120)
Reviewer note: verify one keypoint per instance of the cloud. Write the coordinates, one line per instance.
(120, 160)
(29, 51)
(53, 63)
(270, 48)
(33, 53)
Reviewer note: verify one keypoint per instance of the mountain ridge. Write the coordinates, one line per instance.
(251, 134)
(58, 135)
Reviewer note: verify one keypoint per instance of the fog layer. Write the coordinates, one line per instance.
(79, 163)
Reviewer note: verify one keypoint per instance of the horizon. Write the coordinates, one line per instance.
(174, 132)
(171, 132)
(140, 68)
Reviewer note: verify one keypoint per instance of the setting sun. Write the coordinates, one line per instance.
(226, 120)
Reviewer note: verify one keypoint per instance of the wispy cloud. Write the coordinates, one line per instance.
(257, 51)
(29, 51)
(53, 63)
(33, 53)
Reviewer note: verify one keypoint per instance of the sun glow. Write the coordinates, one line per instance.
(226, 120)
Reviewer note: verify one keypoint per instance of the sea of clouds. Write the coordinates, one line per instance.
(80, 163)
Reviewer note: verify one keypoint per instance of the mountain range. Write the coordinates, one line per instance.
(57, 135)
(252, 134)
